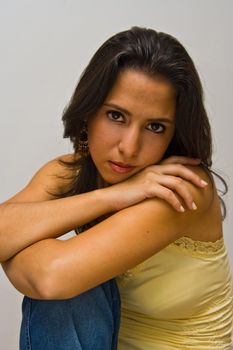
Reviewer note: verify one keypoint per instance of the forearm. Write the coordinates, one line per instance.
(55, 269)
(29, 270)
(22, 224)
(51, 269)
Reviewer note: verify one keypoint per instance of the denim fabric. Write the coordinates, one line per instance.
(89, 321)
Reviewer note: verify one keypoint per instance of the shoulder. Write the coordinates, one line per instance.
(203, 197)
(55, 175)
(55, 171)
(157, 216)
(51, 178)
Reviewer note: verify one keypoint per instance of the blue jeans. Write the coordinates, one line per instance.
(89, 321)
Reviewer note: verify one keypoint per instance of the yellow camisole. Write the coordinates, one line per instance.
(180, 298)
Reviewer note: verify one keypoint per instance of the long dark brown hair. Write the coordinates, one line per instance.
(156, 54)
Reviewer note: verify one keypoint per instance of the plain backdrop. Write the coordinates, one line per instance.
(46, 44)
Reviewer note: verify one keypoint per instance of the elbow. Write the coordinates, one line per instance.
(5, 253)
(43, 289)
(3, 257)
(42, 272)
(51, 284)
(36, 281)
(44, 284)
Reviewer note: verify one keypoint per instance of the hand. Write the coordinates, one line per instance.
(163, 180)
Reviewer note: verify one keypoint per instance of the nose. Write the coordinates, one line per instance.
(130, 143)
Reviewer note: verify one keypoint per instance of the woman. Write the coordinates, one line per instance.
(138, 102)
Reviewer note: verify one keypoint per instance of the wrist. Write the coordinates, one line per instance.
(104, 199)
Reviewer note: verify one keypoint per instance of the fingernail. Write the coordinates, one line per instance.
(194, 206)
(204, 183)
(182, 209)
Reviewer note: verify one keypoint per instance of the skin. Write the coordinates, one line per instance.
(134, 127)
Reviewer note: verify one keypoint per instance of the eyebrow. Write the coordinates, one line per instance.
(125, 111)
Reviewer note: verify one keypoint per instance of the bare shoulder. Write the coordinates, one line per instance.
(204, 197)
(156, 215)
(205, 223)
(51, 178)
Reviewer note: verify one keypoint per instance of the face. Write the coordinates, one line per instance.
(134, 126)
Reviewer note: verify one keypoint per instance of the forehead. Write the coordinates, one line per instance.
(138, 91)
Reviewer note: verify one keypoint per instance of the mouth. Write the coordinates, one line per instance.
(121, 168)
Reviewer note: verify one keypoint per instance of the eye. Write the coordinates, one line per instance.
(156, 127)
(115, 116)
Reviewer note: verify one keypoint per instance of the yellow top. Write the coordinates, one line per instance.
(180, 298)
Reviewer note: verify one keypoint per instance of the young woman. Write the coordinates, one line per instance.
(135, 119)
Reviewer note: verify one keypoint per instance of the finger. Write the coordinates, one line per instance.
(181, 160)
(179, 186)
(167, 195)
(181, 171)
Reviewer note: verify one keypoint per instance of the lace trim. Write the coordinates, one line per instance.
(127, 275)
(185, 244)
(200, 247)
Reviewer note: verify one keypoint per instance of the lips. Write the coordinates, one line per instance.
(121, 168)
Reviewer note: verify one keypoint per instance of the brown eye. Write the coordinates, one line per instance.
(156, 127)
(115, 115)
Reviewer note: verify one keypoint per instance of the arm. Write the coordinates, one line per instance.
(54, 269)
(31, 215)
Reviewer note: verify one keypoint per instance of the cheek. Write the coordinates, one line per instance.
(100, 138)
(154, 150)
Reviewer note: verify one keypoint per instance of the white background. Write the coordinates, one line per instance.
(44, 47)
